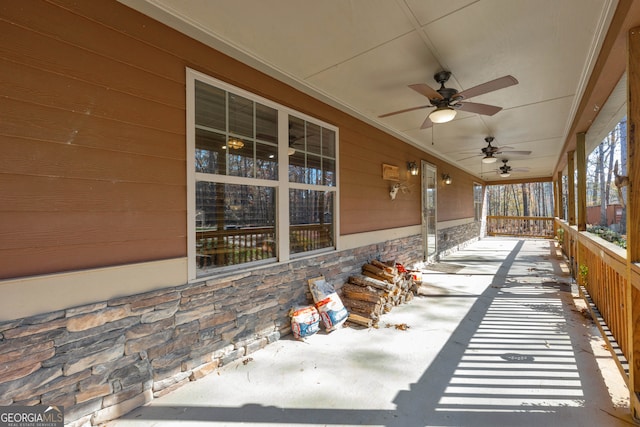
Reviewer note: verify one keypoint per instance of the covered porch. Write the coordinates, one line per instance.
(498, 336)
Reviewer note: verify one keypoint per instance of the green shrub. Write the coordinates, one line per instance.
(608, 235)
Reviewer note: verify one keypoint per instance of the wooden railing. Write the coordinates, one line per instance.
(234, 246)
(599, 267)
(217, 248)
(310, 237)
(521, 226)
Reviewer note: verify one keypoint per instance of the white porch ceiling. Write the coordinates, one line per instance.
(360, 55)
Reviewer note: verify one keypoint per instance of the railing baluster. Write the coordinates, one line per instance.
(520, 226)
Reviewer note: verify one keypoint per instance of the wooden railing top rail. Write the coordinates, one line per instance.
(547, 218)
(253, 230)
(525, 226)
(613, 255)
(234, 232)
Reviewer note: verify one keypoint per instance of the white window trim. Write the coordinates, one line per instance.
(282, 185)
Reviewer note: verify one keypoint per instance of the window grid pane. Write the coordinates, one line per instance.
(311, 153)
(235, 224)
(311, 220)
(210, 156)
(234, 135)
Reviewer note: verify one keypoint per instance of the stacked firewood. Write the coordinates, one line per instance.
(379, 288)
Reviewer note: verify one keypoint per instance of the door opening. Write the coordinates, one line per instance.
(429, 200)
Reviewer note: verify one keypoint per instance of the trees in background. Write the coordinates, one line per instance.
(601, 163)
(524, 199)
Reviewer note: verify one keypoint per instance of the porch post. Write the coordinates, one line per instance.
(556, 211)
(633, 215)
(581, 160)
(572, 191)
(559, 197)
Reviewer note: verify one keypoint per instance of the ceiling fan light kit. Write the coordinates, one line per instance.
(447, 100)
(442, 115)
(488, 159)
(505, 170)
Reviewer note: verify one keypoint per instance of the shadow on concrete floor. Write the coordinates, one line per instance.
(508, 349)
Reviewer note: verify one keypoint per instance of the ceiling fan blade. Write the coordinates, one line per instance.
(467, 158)
(516, 153)
(406, 110)
(426, 90)
(511, 170)
(427, 123)
(485, 109)
(499, 83)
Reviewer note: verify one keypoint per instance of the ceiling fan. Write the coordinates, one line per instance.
(448, 100)
(505, 170)
(490, 151)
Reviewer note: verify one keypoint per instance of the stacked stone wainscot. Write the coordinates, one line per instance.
(103, 360)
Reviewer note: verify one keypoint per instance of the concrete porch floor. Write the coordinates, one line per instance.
(499, 340)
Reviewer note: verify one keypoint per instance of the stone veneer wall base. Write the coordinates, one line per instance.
(103, 360)
(452, 239)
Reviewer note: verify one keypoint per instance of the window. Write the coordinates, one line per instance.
(477, 202)
(312, 161)
(262, 179)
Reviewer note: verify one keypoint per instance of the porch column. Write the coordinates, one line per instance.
(633, 215)
(559, 195)
(581, 163)
(572, 190)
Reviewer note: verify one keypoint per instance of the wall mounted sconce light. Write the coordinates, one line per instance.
(446, 179)
(412, 167)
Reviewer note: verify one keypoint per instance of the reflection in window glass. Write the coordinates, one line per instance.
(477, 201)
(266, 161)
(210, 154)
(328, 144)
(329, 172)
(313, 138)
(211, 106)
(266, 124)
(241, 160)
(311, 220)
(311, 154)
(297, 167)
(240, 115)
(235, 224)
(237, 182)
(314, 169)
(234, 135)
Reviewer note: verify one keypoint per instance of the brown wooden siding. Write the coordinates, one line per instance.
(92, 171)
(92, 136)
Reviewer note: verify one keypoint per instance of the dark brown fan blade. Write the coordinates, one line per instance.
(515, 153)
(511, 170)
(406, 110)
(427, 123)
(426, 90)
(474, 107)
(470, 157)
(487, 87)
